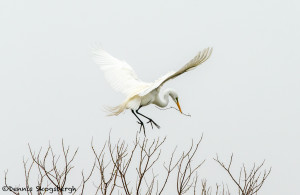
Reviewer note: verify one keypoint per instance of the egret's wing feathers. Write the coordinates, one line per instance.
(196, 61)
(119, 74)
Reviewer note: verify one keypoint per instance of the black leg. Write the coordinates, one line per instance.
(150, 120)
(139, 122)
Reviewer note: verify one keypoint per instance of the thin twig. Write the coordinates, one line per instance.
(173, 108)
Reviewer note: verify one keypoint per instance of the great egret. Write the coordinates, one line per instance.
(138, 93)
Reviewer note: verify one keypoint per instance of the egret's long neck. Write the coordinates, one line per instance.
(164, 101)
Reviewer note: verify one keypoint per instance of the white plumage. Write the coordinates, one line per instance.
(138, 93)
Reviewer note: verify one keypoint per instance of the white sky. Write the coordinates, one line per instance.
(244, 99)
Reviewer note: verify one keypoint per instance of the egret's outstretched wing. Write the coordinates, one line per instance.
(119, 74)
(196, 61)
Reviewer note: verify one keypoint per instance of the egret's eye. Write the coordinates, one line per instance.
(176, 99)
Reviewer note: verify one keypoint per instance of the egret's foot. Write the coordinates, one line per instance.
(142, 127)
(153, 123)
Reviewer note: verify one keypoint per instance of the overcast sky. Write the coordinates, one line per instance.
(244, 99)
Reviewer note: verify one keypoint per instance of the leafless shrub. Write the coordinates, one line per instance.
(249, 182)
(115, 163)
(187, 176)
(147, 156)
(52, 172)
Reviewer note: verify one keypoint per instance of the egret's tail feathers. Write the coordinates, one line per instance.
(115, 110)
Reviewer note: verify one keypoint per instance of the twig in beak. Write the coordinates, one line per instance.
(173, 108)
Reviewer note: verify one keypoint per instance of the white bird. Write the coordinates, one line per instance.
(138, 93)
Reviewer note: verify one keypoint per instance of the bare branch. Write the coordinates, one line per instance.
(186, 176)
(253, 180)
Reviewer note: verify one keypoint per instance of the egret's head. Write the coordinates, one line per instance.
(174, 96)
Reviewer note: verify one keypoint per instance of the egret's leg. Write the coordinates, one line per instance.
(150, 120)
(140, 122)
